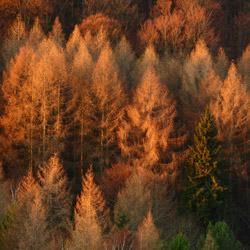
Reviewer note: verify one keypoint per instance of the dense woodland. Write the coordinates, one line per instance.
(125, 124)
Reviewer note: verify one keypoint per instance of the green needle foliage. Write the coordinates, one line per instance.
(205, 192)
(180, 242)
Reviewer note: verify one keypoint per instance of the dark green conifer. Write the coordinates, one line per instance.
(205, 192)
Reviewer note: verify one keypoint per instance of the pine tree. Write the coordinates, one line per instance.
(205, 191)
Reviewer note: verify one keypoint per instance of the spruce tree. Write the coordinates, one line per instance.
(205, 191)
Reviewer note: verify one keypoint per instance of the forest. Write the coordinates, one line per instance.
(124, 124)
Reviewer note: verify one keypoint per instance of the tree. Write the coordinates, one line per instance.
(231, 111)
(113, 180)
(18, 120)
(135, 194)
(95, 44)
(81, 78)
(92, 192)
(90, 216)
(73, 44)
(196, 67)
(218, 236)
(34, 234)
(125, 59)
(176, 27)
(180, 242)
(55, 198)
(36, 35)
(148, 59)
(221, 65)
(205, 191)
(52, 92)
(96, 23)
(148, 235)
(146, 129)
(15, 39)
(125, 11)
(108, 99)
(57, 33)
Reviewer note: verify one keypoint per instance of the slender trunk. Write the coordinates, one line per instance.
(101, 141)
(44, 123)
(81, 142)
(58, 120)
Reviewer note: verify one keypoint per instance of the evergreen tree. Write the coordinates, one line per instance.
(218, 236)
(180, 242)
(205, 191)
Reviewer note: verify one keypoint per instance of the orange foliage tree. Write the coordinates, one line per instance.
(97, 22)
(178, 27)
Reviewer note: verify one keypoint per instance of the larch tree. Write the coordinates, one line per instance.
(81, 79)
(231, 113)
(170, 69)
(134, 195)
(92, 192)
(34, 234)
(51, 84)
(57, 33)
(56, 199)
(145, 132)
(108, 99)
(16, 36)
(18, 120)
(125, 59)
(90, 216)
(96, 43)
(148, 59)
(73, 44)
(221, 64)
(147, 235)
(195, 68)
(36, 35)
(243, 67)
(207, 92)
(26, 193)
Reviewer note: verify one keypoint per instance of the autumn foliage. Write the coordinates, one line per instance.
(100, 100)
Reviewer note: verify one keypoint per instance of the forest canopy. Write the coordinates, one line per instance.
(124, 124)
